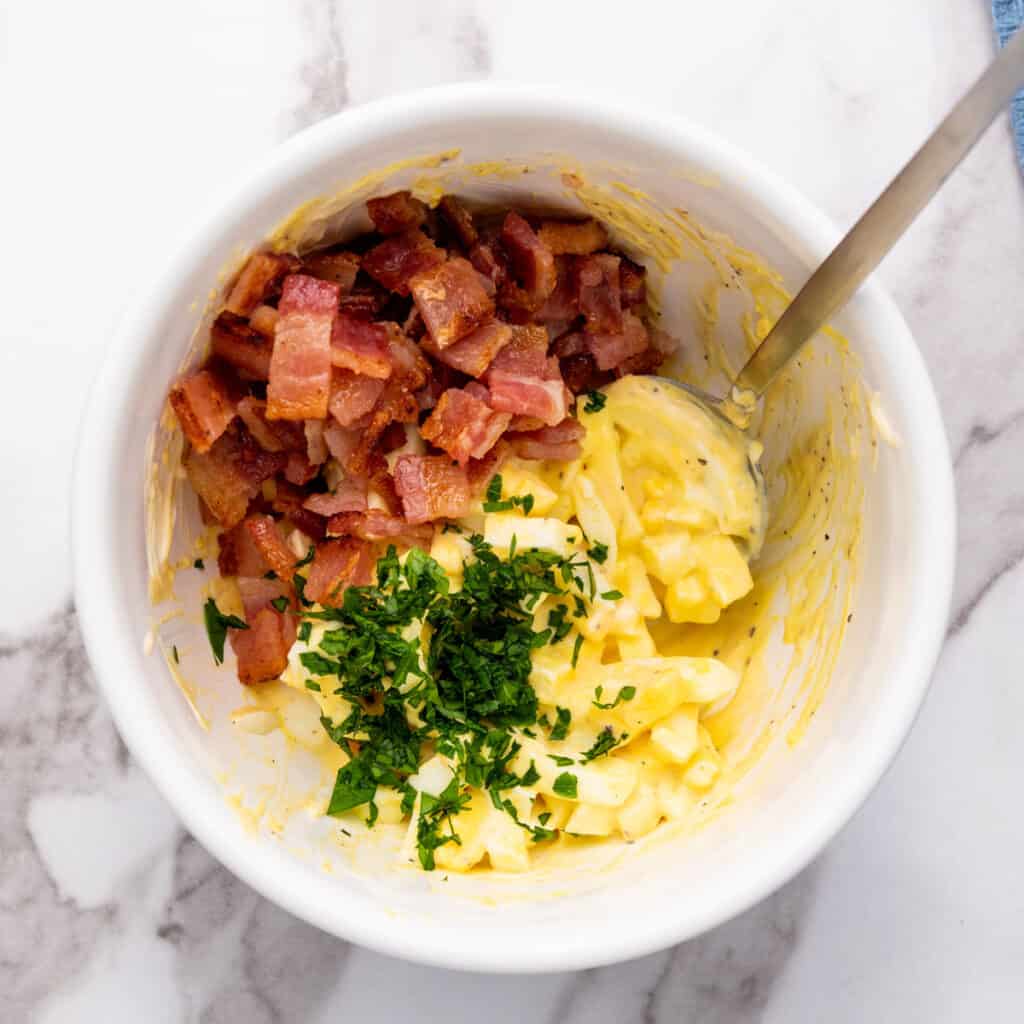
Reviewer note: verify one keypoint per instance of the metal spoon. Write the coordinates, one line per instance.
(830, 287)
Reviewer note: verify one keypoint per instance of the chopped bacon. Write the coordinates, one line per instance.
(532, 261)
(363, 304)
(352, 396)
(258, 278)
(348, 496)
(378, 525)
(277, 556)
(464, 425)
(580, 373)
(237, 553)
(562, 305)
(522, 424)
(547, 400)
(431, 487)
(253, 413)
(401, 257)
(460, 221)
(203, 407)
(397, 404)
(487, 264)
(526, 353)
(396, 213)
(600, 297)
(316, 446)
(611, 350)
(474, 353)
(573, 238)
(480, 471)
(410, 367)
(264, 320)
(571, 344)
(262, 649)
(336, 566)
(241, 345)
(287, 501)
(339, 267)
(229, 475)
(560, 443)
(393, 437)
(361, 346)
(298, 469)
(300, 367)
(452, 300)
(341, 442)
(632, 283)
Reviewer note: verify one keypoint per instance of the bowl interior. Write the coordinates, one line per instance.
(859, 574)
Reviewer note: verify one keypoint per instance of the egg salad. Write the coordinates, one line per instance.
(506, 689)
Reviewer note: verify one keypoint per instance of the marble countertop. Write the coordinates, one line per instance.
(122, 118)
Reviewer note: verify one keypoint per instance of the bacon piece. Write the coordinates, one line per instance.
(480, 471)
(253, 413)
(363, 304)
(573, 238)
(489, 266)
(300, 367)
(401, 257)
(410, 367)
(452, 300)
(316, 446)
(397, 404)
(287, 501)
(459, 220)
(229, 475)
(396, 213)
(258, 278)
(244, 347)
(562, 305)
(352, 396)
(298, 469)
(474, 353)
(610, 350)
(262, 649)
(532, 261)
(571, 344)
(632, 283)
(338, 267)
(547, 400)
(277, 556)
(341, 442)
(377, 525)
(264, 320)
(203, 407)
(580, 373)
(336, 566)
(431, 487)
(237, 554)
(464, 425)
(348, 496)
(526, 354)
(560, 443)
(600, 298)
(361, 347)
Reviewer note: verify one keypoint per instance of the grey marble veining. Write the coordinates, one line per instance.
(109, 911)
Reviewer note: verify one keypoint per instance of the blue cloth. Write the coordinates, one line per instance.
(1009, 16)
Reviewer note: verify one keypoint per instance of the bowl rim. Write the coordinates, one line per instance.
(808, 232)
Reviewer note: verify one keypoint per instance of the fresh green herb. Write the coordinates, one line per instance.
(544, 817)
(560, 760)
(599, 553)
(605, 742)
(566, 786)
(353, 786)
(576, 649)
(595, 401)
(435, 813)
(307, 557)
(310, 685)
(305, 628)
(625, 693)
(198, 564)
(560, 628)
(280, 603)
(217, 626)
(493, 501)
(318, 664)
(612, 595)
(563, 719)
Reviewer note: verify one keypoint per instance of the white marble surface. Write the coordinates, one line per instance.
(117, 119)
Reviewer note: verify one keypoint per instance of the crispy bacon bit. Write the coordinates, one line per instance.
(401, 257)
(348, 496)
(547, 400)
(341, 442)
(257, 280)
(253, 413)
(632, 283)
(431, 487)
(376, 525)
(203, 407)
(352, 396)
(459, 220)
(611, 350)
(560, 443)
(298, 469)
(300, 367)
(464, 425)
(396, 213)
(532, 261)
(363, 304)
(336, 566)
(262, 649)
(480, 471)
(288, 501)
(275, 553)
(580, 373)
(600, 299)
(264, 320)
(361, 346)
(316, 446)
(247, 349)
(452, 300)
(526, 353)
(573, 238)
(338, 267)
(237, 553)
(487, 264)
(562, 306)
(410, 367)
(474, 353)
(229, 475)
(571, 344)
(397, 404)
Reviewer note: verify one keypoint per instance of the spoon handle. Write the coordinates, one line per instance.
(871, 238)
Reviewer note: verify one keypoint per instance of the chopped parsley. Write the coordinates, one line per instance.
(305, 628)
(599, 553)
(280, 603)
(576, 649)
(493, 501)
(198, 564)
(625, 693)
(217, 626)
(605, 742)
(612, 595)
(561, 760)
(310, 685)
(595, 401)
(566, 785)
(563, 719)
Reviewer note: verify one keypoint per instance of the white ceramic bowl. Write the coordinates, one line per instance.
(883, 668)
